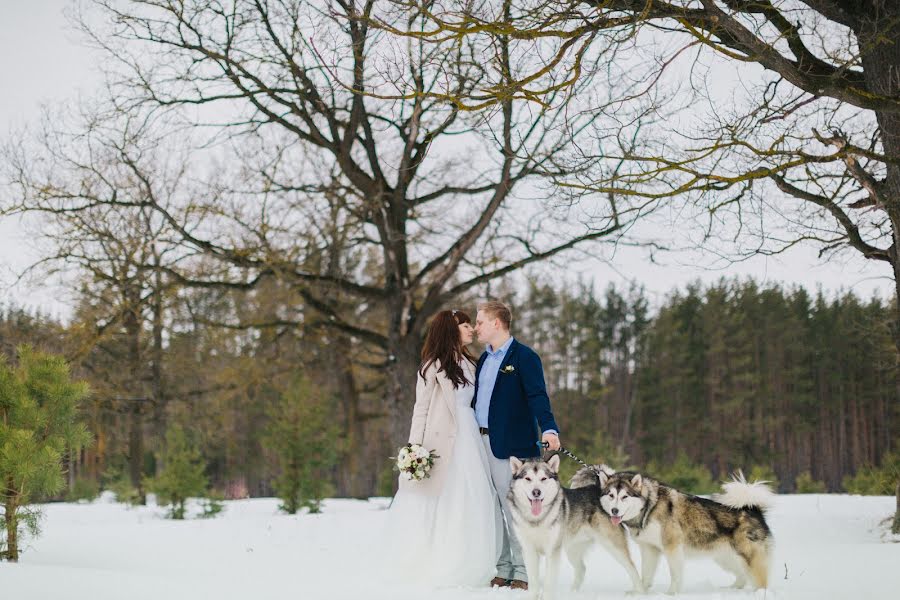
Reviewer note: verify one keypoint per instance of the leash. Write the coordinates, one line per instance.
(564, 450)
(645, 512)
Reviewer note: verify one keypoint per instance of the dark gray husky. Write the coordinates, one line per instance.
(731, 529)
(548, 518)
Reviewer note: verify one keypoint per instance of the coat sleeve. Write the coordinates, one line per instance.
(424, 389)
(532, 375)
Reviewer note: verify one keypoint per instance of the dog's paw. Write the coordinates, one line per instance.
(636, 591)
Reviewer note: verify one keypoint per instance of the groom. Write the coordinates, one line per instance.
(511, 408)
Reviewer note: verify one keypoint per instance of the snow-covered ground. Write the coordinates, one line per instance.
(827, 546)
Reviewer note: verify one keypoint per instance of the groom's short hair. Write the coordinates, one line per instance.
(497, 310)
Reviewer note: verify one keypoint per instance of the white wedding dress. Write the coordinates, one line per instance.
(452, 539)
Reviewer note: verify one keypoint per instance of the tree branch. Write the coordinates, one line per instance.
(853, 235)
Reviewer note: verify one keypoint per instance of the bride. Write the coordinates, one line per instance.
(448, 524)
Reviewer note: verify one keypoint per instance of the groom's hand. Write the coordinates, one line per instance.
(551, 439)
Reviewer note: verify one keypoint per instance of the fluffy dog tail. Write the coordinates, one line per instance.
(586, 476)
(737, 493)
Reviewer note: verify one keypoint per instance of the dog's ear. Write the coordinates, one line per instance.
(604, 478)
(637, 481)
(515, 464)
(553, 463)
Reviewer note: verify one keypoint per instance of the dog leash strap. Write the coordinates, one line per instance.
(565, 451)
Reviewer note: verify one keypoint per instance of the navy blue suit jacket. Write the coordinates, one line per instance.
(520, 407)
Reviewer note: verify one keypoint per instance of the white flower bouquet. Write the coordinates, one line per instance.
(414, 462)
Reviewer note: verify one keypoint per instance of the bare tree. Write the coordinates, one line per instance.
(304, 117)
(113, 247)
(805, 149)
(819, 124)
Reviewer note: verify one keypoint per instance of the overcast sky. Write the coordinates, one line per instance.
(45, 61)
(42, 62)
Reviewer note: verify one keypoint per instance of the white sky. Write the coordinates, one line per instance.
(44, 61)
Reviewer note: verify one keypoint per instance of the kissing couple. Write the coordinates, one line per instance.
(473, 415)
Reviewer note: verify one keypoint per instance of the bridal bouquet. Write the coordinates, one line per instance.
(414, 462)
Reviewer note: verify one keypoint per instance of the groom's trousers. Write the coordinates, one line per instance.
(510, 564)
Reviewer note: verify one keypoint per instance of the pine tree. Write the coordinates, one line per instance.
(38, 425)
(801, 420)
(304, 435)
(182, 475)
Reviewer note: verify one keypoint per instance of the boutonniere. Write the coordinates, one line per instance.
(508, 369)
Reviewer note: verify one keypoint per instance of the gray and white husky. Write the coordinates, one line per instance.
(731, 529)
(548, 518)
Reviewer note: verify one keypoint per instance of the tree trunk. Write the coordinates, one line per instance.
(132, 323)
(895, 528)
(879, 31)
(403, 360)
(353, 482)
(97, 454)
(136, 450)
(156, 373)
(12, 524)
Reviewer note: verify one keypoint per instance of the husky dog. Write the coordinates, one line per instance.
(731, 529)
(547, 518)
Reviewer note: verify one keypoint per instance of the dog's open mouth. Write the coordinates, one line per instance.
(536, 506)
(616, 520)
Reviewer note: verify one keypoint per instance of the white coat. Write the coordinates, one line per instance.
(434, 424)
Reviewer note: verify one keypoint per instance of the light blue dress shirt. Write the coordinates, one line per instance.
(486, 380)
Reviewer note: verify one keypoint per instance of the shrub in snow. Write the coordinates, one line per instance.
(876, 481)
(303, 433)
(38, 425)
(764, 473)
(119, 483)
(807, 485)
(684, 475)
(84, 488)
(211, 506)
(182, 475)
